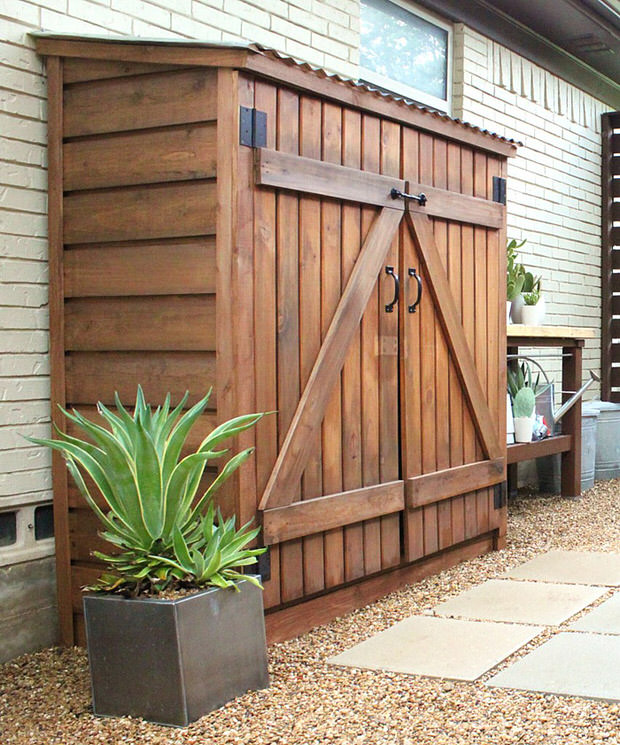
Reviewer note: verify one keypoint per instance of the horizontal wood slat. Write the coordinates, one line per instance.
(140, 102)
(614, 166)
(615, 144)
(615, 352)
(434, 487)
(77, 70)
(308, 175)
(615, 328)
(310, 411)
(181, 267)
(449, 317)
(286, 171)
(145, 157)
(174, 323)
(615, 371)
(529, 450)
(615, 208)
(333, 511)
(615, 187)
(95, 376)
(140, 212)
(615, 302)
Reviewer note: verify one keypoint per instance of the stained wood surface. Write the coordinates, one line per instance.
(141, 323)
(78, 70)
(450, 482)
(140, 212)
(332, 511)
(144, 157)
(140, 102)
(292, 457)
(529, 450)
(518, 330)
(178, 266)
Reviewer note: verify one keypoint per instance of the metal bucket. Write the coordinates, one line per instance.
(607, 463)
(549, 467)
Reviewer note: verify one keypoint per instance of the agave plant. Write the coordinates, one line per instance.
(166, 536)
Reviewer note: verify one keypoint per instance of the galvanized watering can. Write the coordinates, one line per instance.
(545, 399)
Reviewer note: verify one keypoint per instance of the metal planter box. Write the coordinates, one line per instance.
(172, 661)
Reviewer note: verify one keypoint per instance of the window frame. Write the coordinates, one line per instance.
(402, 89)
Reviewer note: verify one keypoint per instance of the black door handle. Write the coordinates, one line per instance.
(390, 306)
(412, 273)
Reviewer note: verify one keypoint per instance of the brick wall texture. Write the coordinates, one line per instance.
(554, 183)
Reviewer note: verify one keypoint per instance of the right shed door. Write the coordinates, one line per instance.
(452, 375)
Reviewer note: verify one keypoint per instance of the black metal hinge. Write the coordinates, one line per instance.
(500, 493)
(499, 189)
(252, 127)
(263, 565)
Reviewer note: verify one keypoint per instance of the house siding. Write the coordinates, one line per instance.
(559, 165)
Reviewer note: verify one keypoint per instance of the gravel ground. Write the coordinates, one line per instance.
(45, 697)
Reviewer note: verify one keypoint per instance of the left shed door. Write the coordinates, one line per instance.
(331, 503)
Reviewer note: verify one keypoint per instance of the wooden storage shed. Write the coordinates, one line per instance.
(223, 216)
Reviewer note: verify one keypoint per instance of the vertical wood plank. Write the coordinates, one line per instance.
(265, 317)
(388, 365)
(291, 553)
(457, 505)
(351, 374)
(371, 133)
(467, 301)
(442, 361)
(310, 326)
(57, 344)
(411, 416)
(481, 295)
(331, 251)
(428, 324)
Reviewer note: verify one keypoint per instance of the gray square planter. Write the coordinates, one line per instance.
(172, 661)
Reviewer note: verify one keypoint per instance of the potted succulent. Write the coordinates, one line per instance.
(515, 276)
(533, 310)
(523, 405)
(174, 629)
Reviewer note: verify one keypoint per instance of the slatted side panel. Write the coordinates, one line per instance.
(139, 163)
(439, 433)
(610, 299)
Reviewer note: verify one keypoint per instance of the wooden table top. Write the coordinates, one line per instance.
(514, 330)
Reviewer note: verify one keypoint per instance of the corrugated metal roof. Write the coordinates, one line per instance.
(286, 59)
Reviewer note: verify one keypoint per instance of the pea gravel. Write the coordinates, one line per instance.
(45, 697)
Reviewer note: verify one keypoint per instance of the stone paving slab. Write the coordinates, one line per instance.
(604, 619)
(569, 664)
(578, 567)
(521, 602)
(439, 647)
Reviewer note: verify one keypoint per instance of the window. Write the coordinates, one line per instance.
(405, 51)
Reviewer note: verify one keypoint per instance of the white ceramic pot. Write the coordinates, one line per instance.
(508, 309)
(533, 315)
(524, 426)
(517, 305)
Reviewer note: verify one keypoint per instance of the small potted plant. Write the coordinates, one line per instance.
(523, 405)
(174, 629)
(533, 310)
(515, 276)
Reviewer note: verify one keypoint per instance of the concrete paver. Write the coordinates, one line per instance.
(571, 664)
(580, 567)
(604, 619)
(439, 647)
(521, 602)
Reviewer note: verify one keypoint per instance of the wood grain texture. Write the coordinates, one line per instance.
(140, 212)
(438, 286)
(326, 370)
(80, 70)
(450, 482)
(145, 157)
(95, 376)
(173, 267)
(141, 323)
(332, 511)
(140, 102)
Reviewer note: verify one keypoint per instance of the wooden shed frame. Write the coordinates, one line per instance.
(256, 184)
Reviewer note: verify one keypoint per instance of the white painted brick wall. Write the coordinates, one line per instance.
(554, 188)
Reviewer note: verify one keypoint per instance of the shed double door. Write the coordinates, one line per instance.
(388, 410)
